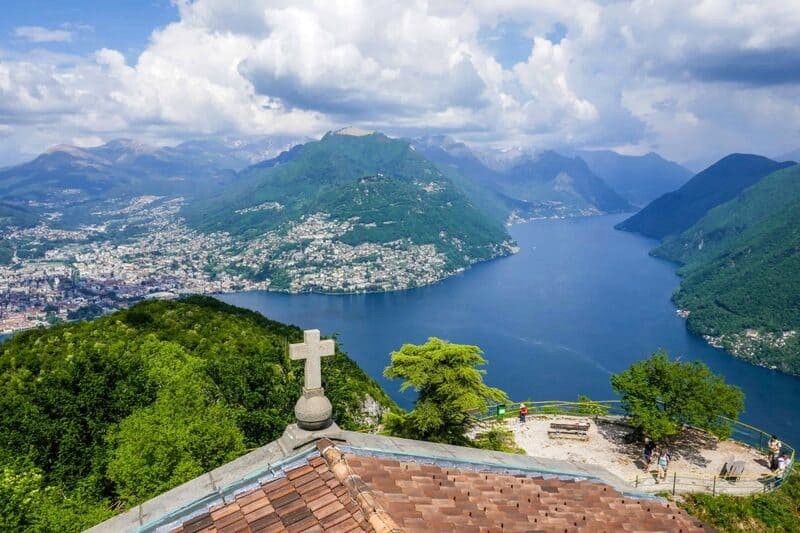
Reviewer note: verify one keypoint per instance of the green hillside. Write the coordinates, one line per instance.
(98, 416)
(677, 211)
(742, 216)
(778, 510)
(741, 273)
(394, 191)
(15, 215)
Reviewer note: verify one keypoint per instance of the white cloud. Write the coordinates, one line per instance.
(688, 78)
(38, 34)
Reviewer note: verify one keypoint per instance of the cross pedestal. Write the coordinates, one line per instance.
(313, 410)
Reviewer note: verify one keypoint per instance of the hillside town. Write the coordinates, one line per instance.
(88, 271)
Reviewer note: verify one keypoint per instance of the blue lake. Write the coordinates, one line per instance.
(579, 302)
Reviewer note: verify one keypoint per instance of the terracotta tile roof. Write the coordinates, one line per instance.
(426, 497)
(307, 498)
(355, 491)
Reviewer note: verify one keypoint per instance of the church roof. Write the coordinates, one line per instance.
(307, 497)
(356, 481)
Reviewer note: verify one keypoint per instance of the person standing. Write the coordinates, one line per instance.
(663, 464)
(647, 453)
(774, 445)
(523, 413)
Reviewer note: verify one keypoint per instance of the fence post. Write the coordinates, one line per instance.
(714, 487)
(674, 481)
(637, 481)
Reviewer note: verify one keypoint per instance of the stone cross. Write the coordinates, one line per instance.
(312, 350)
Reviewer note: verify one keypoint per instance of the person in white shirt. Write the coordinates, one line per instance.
(783, 464)
(663, 464)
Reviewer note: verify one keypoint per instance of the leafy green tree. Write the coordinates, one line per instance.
(589, 407)
(498, 438)
(18, 493)
(662, 395)
(449, 387)
(28, 504)
(184, 433)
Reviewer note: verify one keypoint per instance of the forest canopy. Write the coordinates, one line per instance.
(98, 416)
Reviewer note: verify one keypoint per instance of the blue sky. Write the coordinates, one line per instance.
(690, 79)
(124, 25)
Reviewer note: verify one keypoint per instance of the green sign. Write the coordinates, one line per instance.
(501, 411)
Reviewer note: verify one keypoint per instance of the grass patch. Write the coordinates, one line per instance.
(775, 511)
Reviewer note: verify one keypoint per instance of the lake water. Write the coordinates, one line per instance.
(579, 302)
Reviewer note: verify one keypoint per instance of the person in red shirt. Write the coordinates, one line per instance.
(523, 412)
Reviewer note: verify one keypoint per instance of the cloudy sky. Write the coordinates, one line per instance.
(690, 79)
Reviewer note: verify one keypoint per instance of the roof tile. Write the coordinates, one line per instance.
(259, 513)
(266, 520)
(198, 523)
(420, 496)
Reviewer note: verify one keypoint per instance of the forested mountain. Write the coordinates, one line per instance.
(740, 217)
(675, 212)
(742, 272)
(373, 188)
(639, 179)
(524, 186)
(98, 416)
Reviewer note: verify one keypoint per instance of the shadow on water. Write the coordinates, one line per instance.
(580, 301)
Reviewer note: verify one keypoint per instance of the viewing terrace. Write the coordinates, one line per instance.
(700, 462)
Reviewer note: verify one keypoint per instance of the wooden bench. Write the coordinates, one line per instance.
(565, 430)
(576, 426)
(567, 434)
(733, 469)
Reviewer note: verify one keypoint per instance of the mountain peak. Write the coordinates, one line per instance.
(74, 151)
(677, 211)
(353, 131)
(552, 155)
(128, 144)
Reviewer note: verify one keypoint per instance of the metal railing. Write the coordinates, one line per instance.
(675, 482)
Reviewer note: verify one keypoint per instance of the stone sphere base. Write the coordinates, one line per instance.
(313, 410)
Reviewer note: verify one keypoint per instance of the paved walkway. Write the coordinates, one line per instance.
(696, 457)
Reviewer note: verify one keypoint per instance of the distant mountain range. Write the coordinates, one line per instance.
(735, 228)
(520, 185)
(348, 191)
(78, 178)
(476, 180)
(639, 179)
(676, 211)
(794, 155)
(511, 184)
(564, 184)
